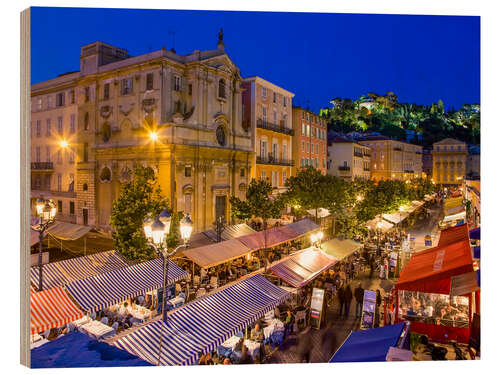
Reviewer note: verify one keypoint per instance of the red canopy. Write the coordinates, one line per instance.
(454, 234)
(430, 271)
(275, 236)
(52, 308)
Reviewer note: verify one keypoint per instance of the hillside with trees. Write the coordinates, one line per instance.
(385, 114)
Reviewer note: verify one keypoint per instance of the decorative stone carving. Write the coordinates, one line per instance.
(106, 111)
(105, 175)
(149, 105)
(124, 111)
(106, 132)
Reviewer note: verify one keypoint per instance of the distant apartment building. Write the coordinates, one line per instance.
(473, 165)
(348, 159)
(472, 193)
(391, 159)
(449, 157)
(427, 162)
(267, 108)
(309, 141)
(54, 112)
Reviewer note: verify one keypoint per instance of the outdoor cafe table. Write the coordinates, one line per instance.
(231, 342)
(274, 325)
(175, 302)
(253, 347)
(84, 320)
(140, 313)
(96, 329)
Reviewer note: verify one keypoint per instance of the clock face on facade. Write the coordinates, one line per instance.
(221, 135)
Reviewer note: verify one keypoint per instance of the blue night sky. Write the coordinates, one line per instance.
(317, 56)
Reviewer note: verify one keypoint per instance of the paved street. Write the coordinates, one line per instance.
(327, 340)
(427, 226)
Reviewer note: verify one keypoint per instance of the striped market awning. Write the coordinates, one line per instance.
(302, 267)
(204, 324)
(66, 271)
(52, 308)
(98, 292)
(303, 227)
(268, 238)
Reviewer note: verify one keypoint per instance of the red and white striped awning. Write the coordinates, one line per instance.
(52, 308)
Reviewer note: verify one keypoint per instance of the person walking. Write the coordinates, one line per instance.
(305, 345)
(340, 295)
(371, 263)
(377, 308)
(359, 294)
(347, 300)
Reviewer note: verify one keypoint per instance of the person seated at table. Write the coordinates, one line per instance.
(227, 361)
(289, 321)
(245, 358)
(205, 360)
(148, 303)
(257, 334)
(123, 311)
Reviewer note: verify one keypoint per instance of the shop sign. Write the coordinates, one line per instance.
(368, 315)
(317, 301)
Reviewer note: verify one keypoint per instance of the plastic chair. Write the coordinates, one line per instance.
(115, 326)
(182, 295)
(93, 315)
(140, 299)
(105, 320)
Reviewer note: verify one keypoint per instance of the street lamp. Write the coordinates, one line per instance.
(156, 231)
(46, 213)
(153, 136)
(316, 238)
(63, 143)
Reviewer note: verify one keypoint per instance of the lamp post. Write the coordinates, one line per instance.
(156, 231)
(46, 213)
(219, 225)
(316, 239)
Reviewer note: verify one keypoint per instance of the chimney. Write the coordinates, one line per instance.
(97, 54)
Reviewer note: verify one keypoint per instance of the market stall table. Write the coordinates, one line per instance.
(253, 347)
(274, 325)
(140, 313)
(175, 302)
(96, 329)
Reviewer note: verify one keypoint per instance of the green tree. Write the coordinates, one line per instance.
(308, 189)
(137, 198)
(259, 203)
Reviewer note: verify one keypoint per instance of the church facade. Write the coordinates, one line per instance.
(180, 115)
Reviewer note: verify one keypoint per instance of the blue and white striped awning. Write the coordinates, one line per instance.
(98, 292)
(66, 271)
(203, 324)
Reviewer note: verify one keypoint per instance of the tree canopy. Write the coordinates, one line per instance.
(384, 114)
(138, 197)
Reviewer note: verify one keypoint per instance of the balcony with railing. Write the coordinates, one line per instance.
(367, 155)
(358, 154)
(397, 149)
(366, 169)
(42, 166)
(274, 160)
(274, 127)
(344, 168)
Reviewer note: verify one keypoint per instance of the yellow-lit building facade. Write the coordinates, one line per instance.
(181, 115)
(268, 113)
(348, 159)
(449, 158)
(394, 160)
(53, 144)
